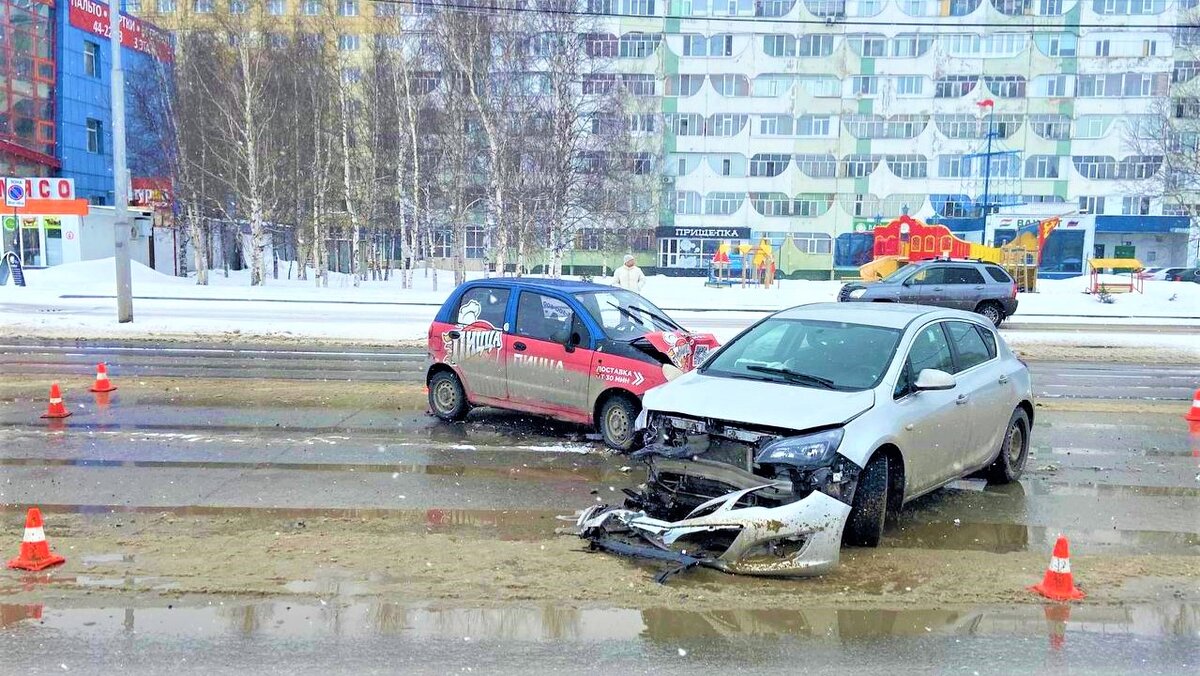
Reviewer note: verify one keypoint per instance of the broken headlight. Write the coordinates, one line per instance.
(807, 451)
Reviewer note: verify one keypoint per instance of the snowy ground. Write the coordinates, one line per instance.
(385, 312)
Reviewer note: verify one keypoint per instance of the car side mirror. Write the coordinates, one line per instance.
(572, 342)
(933, 379)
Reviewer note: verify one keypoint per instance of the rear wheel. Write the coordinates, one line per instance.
(864, 527)
(617, 417)
(992, 310)
(447, 398)
(1014, 451)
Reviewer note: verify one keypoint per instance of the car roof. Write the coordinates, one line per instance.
(889, 315)
(561, 285)
(950, 261)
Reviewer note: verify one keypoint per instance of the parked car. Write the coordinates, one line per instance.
(812, 428)
(575, 351)
(1184, 275)
(1150, 273)
(974, 286)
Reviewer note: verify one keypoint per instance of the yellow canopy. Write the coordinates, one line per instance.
(1115, 263)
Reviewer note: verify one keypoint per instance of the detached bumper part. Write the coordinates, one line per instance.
(794, 539)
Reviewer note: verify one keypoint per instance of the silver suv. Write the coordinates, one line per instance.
(974, 286)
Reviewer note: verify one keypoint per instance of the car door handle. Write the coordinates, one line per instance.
(1003, 380)
(979, 288)
(962, 399)
(454, 335)
(519, 346)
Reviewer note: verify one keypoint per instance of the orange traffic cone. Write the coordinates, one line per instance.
(1194, 414)
(102, 384)
(1058, 583)
(35, 551)
(56, 409)
(1194, 436)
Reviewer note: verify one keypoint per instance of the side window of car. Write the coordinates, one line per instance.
(998, 274)
(931, 275)
(543, 318)
(482, 304)
(963, 275)
(968, 344)
(929, 350)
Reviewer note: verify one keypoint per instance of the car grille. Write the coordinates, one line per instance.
(844, 293)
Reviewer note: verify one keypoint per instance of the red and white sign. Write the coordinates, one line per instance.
(135, 34)
(151, 192)
(41, 188)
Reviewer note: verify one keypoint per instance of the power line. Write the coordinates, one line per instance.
(830, 22)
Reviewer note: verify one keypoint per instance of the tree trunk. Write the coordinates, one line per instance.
(199, 243)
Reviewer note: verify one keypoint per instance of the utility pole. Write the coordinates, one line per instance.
(120, 168)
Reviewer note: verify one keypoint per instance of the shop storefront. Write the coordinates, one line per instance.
(689, 250)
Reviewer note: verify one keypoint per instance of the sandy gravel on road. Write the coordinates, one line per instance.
(255, 556)
(1109, 354)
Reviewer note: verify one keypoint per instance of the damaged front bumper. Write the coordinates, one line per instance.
(793, 539)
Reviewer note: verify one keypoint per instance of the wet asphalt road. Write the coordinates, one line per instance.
(134, 358)
(1117, 483)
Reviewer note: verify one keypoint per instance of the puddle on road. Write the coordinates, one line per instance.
(1001, 538)
(306, 619)
(502, 524)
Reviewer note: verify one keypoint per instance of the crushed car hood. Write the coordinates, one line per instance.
(696, 395)
(684, 350)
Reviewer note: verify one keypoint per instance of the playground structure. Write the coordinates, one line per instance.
(755, 265)
(906, 239)
(1128, 265)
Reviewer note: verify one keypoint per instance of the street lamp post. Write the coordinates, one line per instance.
(120, 169)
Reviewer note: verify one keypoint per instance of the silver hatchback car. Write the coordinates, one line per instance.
(812, 428)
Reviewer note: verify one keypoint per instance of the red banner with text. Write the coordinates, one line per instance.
(135, 33)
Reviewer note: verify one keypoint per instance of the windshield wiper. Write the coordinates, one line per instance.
(659, 318)
(795, 376)
(625, 311)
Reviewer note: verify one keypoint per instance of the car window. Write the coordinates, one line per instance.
(808, 353)
(963, 275)
(998, 274)
(971, 349)
(929, 351)
(482, 304)
(543, 317)
(931, 275)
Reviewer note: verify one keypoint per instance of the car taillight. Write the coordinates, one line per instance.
(1014, 290)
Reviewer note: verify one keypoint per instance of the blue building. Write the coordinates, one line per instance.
(55, 109)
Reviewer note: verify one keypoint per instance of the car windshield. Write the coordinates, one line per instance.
(808, 353)
(624, 314)
(898, 275)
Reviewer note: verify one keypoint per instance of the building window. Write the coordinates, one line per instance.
(1135, 206)
(775, 125)
(726, 167)
(911, 45)
(276, 7)
(1103, 47)
(133, 6)
(348, 43)
(726, 124)
(1091, 205)
(953, 166)
(91, 59)
(636, 7)
(817, 166)
(643, 123)
(768, 164)
(813, 125)
(723, 203)
(348, 8)
(203, 6)
(638, 45)
(910, 85)
(687, 202)
(865, 126)
(864, 85)
(908, 166)
(237, 6)
(1095, 166)
(1061, 45)
(639, 85)
(1052, 127)
(730, 84)
(906, 126)
(166, 6)
(954, 86)
(814, 45)
(859, 166)
(95, 136)
(312, 7)
(773, 45)
(1042, 166)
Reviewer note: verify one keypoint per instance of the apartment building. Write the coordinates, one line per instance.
(806, 121)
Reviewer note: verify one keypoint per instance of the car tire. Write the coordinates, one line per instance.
(447, 398)
(864, 526)
(1014, 451)
(993, 311)
(617, 417)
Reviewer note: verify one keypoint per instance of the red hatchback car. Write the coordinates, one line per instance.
(574, 351)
